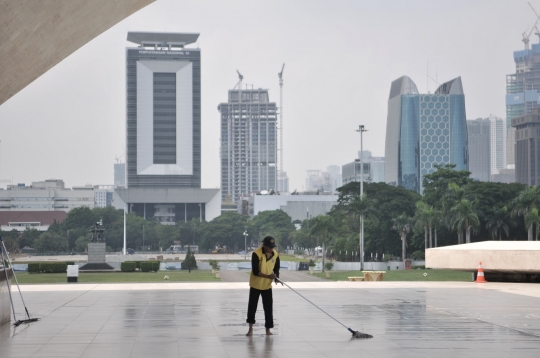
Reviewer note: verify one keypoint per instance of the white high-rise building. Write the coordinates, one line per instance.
(487, 147)
(497, 144)
(248, 143)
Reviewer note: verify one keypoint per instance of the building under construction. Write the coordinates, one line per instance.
(248, 143)
(522, 87)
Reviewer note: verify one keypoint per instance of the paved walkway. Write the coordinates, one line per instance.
(407, 319)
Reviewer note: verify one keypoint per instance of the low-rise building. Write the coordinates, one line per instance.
(298, 207)
(22, 220)
(48, 195)
(373, 169)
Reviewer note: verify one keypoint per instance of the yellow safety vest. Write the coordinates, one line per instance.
(266, 267)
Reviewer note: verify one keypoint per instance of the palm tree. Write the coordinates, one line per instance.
(527, 200)
(427, 217)
(464, 217)
(453, 195)
(402, 224)
(422, 219)
(323, 227)
(498, 222)
(532, 218)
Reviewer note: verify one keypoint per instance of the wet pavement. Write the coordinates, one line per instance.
(207, 320)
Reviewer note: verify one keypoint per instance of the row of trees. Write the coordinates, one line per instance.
(453, 209)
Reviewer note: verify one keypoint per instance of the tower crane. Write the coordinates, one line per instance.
(525, 35)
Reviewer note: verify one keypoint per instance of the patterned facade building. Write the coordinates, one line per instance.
(424, 130)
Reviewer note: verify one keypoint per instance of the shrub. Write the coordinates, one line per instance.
(53, 267)
(137, 264)
(329, 266)
(418, 255)
(127, 266)
(70, 263)
(419, 267)
(214, 264)
(33, 268)
(189, 262)
(155, 266)
(147, 266)
(311, 263)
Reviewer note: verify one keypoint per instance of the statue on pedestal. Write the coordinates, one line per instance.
(98, 231)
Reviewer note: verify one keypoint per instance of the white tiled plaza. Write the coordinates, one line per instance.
(408, 319)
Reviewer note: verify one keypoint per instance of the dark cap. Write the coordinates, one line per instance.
(269, 241)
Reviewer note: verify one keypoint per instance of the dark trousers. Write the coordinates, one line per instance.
(267, 305)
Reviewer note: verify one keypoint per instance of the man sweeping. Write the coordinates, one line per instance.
(264, 269)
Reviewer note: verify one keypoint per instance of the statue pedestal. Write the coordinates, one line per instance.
(96, 257)
(96, 252)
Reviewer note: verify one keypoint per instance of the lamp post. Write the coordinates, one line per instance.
(361, 129)
(143, 238)
(245, 243)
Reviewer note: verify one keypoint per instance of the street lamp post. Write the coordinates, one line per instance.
(245, 243)
(143, 238)
(361, 129)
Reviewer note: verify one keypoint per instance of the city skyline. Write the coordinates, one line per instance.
(79, 101)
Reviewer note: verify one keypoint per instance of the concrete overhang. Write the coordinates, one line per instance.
(496, 256)
(37, 35)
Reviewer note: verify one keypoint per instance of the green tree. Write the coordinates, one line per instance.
(422, 219)
(465, 218)
(49, 242)
(402, 224)
(81, 244)
(527, 200)
(532, 218)
(436, 184)
(498, 222)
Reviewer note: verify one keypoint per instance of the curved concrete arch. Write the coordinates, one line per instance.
(37, 35)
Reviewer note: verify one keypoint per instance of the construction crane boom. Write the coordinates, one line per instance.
(281, 186)
(525, 35)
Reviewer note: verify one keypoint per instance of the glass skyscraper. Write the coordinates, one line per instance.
(424, 130)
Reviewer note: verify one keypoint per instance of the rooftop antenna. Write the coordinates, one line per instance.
(280, 75)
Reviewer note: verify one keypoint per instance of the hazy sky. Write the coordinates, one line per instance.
(341, 57)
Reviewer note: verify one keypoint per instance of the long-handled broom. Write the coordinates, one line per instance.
(355, 334)
(28, 317)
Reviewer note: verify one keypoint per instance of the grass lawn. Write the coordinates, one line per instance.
(119, 277)
(404, 275)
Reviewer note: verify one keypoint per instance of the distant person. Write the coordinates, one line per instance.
(264, 269)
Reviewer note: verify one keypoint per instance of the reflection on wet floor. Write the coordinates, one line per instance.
(405, 322)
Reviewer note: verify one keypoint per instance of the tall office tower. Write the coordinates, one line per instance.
(528, 148)
(163, 130)
(424, 130)
(497, 144)
(479, 136)
(248, 143)
(163, 111)
(522, 91)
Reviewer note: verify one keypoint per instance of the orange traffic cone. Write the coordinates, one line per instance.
(480, 277)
